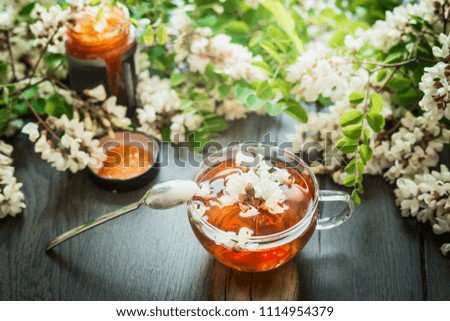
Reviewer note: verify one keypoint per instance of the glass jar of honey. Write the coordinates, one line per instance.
(101, 46)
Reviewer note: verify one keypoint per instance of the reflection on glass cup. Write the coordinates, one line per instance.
(260, 242)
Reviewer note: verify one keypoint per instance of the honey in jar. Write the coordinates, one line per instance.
(100, 46)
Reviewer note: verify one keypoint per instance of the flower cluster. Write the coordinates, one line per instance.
(255, 187)
(161, 108)
(398, 26)
(318, 72)
(49, 28)
(415, 146)
(74, 150)
(200, 48)
(427, 197)
(435, 86)
(101, 114)
(11, 197)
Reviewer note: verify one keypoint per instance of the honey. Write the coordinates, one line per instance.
(298, 198)
(125, 161)
(100, 50)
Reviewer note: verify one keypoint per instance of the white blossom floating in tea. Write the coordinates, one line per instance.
(250, 196)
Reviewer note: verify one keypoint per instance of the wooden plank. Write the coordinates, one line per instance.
(281, 284)
(153, 255)
(373, 256)
(147, 255)
(436, 274)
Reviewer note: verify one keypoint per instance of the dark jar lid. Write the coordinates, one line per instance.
(148, 143)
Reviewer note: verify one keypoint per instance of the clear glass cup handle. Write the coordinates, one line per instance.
(325, 223)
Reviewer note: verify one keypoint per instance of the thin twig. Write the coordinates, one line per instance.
(444, 19)
(389, 79)
(44, 50)
(11, 56)
(43, 79)
(40, 120)
(397, 64)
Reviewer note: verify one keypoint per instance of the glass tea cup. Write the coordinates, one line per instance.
(257, 253)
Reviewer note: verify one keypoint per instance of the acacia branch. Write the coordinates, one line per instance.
(396, 64)
(44, 50)
(11, 56)
(40, 120)
(388, 80)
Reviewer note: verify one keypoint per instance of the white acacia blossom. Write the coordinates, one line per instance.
(161, 107)
(261, 182)
(74, 150)
(199, 48)
(415, 146)
(397, 25)
(50, 26)
(435, 86)
(427, 197)
(11, 196)
(318, 72)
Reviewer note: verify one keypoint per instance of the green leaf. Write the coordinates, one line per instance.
(360, 167)
(148, 36)
(242, 93)
(366, 153)
(4, 118)
(207, 21)
(282, 85)
(57, 106)
(165, 133)
(296, 111)
(406, 98)
(5, 95)
(356, 98)
(254, 103)
(376, 121)
(263, 66)
(20, 108)
(355, 198)
(30, 92)
(38, 105)
(381, 75)
(347, 145)
(351, 167)
(353, 131)
(351, 117)
(274, 109)
(284, 21)
(235, 27)
(224, 91)
(94, 3)
(349, 180)
(177, 79)
(263, 90)
(214, 123)
(26, 10)
(376, 103)
(161, 35)
(268, 47)
(399, 83)
(366, 136)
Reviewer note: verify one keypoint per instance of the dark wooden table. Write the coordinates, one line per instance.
(154, 255)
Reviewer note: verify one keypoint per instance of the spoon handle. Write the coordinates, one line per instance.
(92, 223)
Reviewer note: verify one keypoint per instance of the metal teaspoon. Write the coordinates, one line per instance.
(160, 196)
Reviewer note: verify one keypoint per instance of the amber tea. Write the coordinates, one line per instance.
(250, 197)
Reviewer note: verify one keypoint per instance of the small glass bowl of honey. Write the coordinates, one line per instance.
(131, 160)
(258, 206)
